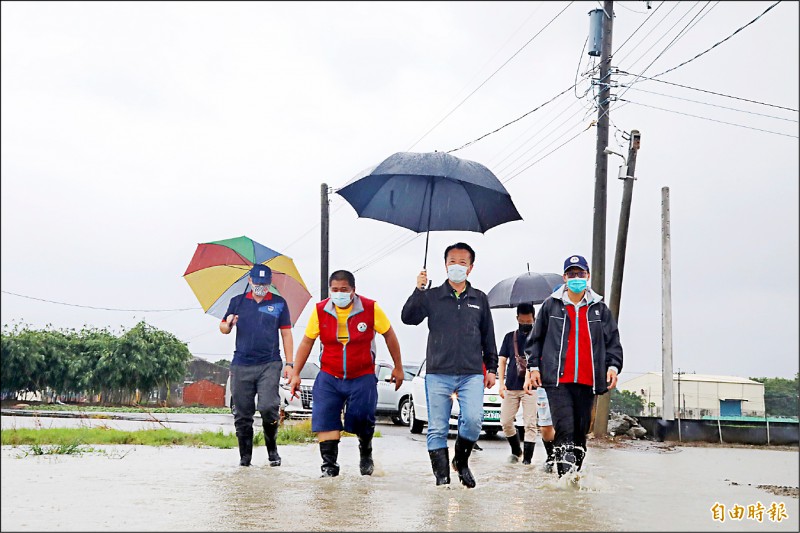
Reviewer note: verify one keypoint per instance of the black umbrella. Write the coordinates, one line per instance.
(530, 287)
(431, 191)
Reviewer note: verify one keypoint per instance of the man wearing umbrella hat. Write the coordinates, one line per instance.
(259, 315)
(574, 351)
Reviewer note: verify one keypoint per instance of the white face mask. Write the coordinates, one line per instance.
(341, 299)
(260, 290)
(456, 273)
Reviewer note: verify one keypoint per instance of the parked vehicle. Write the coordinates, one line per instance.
(299, 407)
(393, 403)
(418, 415)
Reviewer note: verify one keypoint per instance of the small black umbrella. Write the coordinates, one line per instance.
(530, 287)
(431, 191)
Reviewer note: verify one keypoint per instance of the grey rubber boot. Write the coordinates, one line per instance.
(440, 460)
(461, 461)
(329, 450)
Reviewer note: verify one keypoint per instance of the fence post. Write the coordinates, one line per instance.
(719, 428)
(767, 418)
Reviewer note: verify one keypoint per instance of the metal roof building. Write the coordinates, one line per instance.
(699, 395)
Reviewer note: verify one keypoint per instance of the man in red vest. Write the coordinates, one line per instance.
(346, 324)
(574, 351)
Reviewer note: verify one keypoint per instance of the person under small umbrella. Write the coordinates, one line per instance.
(258, 315)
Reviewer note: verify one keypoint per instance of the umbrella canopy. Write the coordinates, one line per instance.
(530, 287)
(219, 270)
(431, 192)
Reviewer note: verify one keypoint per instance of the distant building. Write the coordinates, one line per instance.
(197, 369)
(699, 395)
(204, 393)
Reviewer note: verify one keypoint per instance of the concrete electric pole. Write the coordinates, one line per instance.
(324, 238)
(604, 401)
(601, 158)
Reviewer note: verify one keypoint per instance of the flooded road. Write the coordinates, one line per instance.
(180, 488)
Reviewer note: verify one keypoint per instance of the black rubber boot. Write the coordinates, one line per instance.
(271, 440)
(521, 433)
(439, 463)
(245, 450)
(580, 453)
(565, 458)
(527, 455)
(329, 450)
(516, 451)
(366, 465)
(461, 461)
(550, 461)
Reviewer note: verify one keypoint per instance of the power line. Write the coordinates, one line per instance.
(637, 29)
(513, 121)
(707, 91)
(720, 42)
(710, 104)
(103, 308)
(667, 33)
(707, 118)
(489, 78)
(661, 21)
(551, 151)
(629, 9)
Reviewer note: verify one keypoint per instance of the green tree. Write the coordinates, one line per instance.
(781, 395)
(626, 402)
(223, 362)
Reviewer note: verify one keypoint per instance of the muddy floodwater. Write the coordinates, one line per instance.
(142, 488)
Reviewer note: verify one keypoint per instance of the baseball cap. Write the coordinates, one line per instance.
(576, 261)
(261, 274)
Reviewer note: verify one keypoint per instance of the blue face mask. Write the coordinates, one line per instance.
(341, 299)
(456, 273)
(576, 285)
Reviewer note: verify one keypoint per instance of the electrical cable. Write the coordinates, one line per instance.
(708, 92)
(710, 104)
(720, 42)
(710, 119)
(489, 78)
(512, 122)
(103, 308)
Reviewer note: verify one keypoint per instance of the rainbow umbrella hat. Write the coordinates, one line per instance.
(219, 270)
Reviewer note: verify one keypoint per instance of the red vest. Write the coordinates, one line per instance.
(354, 359)
(579, 351)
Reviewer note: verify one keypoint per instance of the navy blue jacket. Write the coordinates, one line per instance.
(460, 330)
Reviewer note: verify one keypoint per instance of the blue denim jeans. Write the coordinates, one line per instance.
(439, 389)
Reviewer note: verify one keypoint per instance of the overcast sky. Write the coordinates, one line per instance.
(131, 132)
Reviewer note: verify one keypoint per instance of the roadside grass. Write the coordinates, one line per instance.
(128, 409)
(68, 441)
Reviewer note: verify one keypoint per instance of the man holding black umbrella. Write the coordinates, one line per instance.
(259, 316)
(460, 344)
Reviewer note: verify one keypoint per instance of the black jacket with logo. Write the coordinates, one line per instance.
(460, 330)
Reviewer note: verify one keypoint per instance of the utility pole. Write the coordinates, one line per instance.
(324, 239)
(604, 400)
(601, 158)
(598, 272)
(668, 412)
